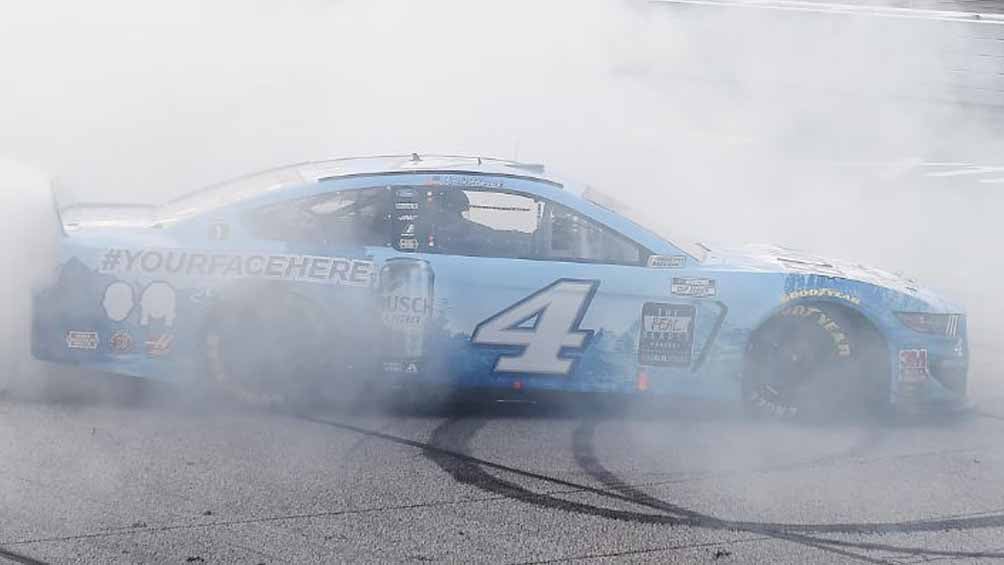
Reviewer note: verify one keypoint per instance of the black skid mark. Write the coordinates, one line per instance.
(585, 456)
(453, 436)
(19, 558)
(448, 449)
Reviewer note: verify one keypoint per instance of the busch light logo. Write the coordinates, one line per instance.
(406, 296)
(405, 312)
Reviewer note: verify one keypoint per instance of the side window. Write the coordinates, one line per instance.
(344, 218)
(486, 223)
(455, 221)
(572, 237)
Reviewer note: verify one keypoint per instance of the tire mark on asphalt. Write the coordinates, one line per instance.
(648, 550)
(584, 452)
(19, 558)
(871, 439)
(243, 521)
(585, 456)
(469, 470)
(453, 436)
(446, 450)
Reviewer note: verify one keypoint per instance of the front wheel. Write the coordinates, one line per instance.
(815, 362)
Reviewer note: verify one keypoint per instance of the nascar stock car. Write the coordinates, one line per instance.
(480, 275)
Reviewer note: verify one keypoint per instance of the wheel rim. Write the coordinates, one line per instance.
(791, 368)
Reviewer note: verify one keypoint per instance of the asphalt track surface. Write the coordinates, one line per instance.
(98, 479)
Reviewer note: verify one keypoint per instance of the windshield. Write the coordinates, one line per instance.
(691, 247)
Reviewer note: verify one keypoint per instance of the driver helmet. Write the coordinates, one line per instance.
(454, 201)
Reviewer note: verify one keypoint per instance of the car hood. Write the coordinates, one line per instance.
(773, 258)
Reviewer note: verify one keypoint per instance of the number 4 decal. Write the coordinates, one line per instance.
(544, 325)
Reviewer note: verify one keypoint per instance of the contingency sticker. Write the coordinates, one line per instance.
(667, 261)
(913, 366)
(667, 335)
(697, 288)
(76, 339)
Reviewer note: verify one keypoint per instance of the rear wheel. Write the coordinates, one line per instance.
(815, 362)
(268, 351)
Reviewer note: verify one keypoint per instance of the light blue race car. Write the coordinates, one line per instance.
(472, 274)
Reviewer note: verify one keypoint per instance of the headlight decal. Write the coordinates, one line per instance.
(935, 324)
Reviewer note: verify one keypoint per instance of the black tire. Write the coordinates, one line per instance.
(816, 362)
(269, 351)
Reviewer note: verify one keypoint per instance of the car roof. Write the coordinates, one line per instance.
(248, 186)
(416, 162)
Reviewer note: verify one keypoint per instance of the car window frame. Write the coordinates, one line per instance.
(249, 220)
(643, 251)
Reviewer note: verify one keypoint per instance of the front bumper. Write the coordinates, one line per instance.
(930, 375)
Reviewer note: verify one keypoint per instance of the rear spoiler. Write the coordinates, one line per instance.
(55, 208)
(76, 215)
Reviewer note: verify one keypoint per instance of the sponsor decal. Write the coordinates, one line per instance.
(121, 342)
(203, 295)
(406, 305)
(406, 313)
(76, 339)
(477, 181)
(410, 367)
(118, 301)
(667, 334)
(837, 333)
(697, 288)
(667, 261)
(776, 409)
(219, 230)
(309, 268)
(953, 325)
(157, 303)
(820, 293)
(913, 367)
(809, 267)
(159, 345)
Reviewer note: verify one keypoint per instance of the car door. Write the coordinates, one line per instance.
(518, 291)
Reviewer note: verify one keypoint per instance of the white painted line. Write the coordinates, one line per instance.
(823, 8)
(965, 172)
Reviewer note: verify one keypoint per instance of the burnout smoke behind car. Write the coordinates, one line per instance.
(735, 125)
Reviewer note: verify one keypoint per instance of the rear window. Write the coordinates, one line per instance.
(344, 218)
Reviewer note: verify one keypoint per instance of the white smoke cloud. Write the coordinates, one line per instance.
(734, 124)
